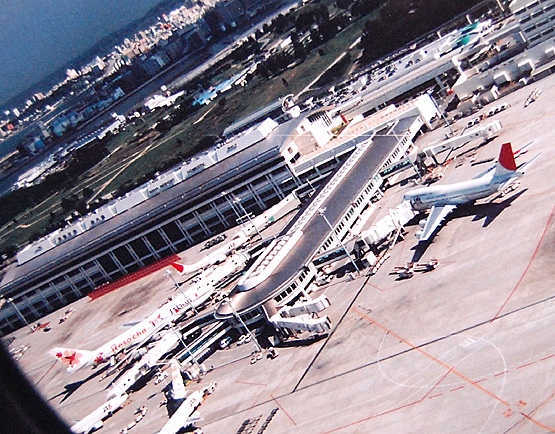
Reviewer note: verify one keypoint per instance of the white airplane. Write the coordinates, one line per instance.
(162, 101)
(145, 364)
(442, 199)
(186, 414)
(220, 255)
(139, 333)
(94, 421)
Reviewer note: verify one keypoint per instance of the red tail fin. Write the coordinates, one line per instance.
(506, 157)
(179, 267)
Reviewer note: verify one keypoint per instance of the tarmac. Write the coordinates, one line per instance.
(466, 348)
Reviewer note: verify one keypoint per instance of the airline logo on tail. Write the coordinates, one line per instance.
(73, 359)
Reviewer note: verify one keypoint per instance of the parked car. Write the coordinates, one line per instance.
(225, 342)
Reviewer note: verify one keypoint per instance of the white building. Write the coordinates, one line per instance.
(536, 18)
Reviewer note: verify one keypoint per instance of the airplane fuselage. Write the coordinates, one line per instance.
(94, 420)
(155, 322)
(459, 193)
(185, 414)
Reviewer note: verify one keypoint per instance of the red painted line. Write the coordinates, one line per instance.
(374, 286)
(44, 375)
(439, 362)
(501, 373)
(529, 415)
(389, 411)
(479, 381)
(457, 388)
(538, 423)
(282, 409)
(548, 357)
(250, 384)
(435, 396)
(524, 366)
(527, 267)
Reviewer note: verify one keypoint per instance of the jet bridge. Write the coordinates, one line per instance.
(485, 132)
(299, 317)
(199, 348)
(311, 306)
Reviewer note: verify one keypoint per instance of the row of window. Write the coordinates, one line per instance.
(284, 294)
(250, 315)
(539, 24)
(361, 200)
(541, 35)
(530, 6)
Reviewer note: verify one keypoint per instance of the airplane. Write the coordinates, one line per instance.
(145, 364)
(94, 421)
(162, 101)
(443, 199)
(220, 255)
(139, 333)
(186, 414)
(193, 297)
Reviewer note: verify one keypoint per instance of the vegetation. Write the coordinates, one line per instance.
(401, 21)
(320, 32)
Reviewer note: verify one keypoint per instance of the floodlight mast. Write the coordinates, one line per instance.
(238, 317)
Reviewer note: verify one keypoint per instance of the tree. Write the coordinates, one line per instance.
(304, 21)
(67, 203)
(343, 4)
(87, 193)
(322, 14)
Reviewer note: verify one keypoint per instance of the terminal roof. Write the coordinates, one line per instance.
(316, 230)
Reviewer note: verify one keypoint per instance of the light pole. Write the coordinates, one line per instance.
(226, 197)
(187, 299)
(441, 113)
(237, 200)
(226, 300)
(180, 337)
(322, 211)
(10, 300)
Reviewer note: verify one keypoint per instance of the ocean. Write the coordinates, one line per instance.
(39, 37)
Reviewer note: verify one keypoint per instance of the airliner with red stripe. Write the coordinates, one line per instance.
(442, 199)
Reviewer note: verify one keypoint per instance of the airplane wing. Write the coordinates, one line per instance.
(436, 216)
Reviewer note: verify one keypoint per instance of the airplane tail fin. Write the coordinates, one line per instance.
(179, 267)
(506, 163)
(74, 359)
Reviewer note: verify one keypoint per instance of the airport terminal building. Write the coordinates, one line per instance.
(184, 206)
